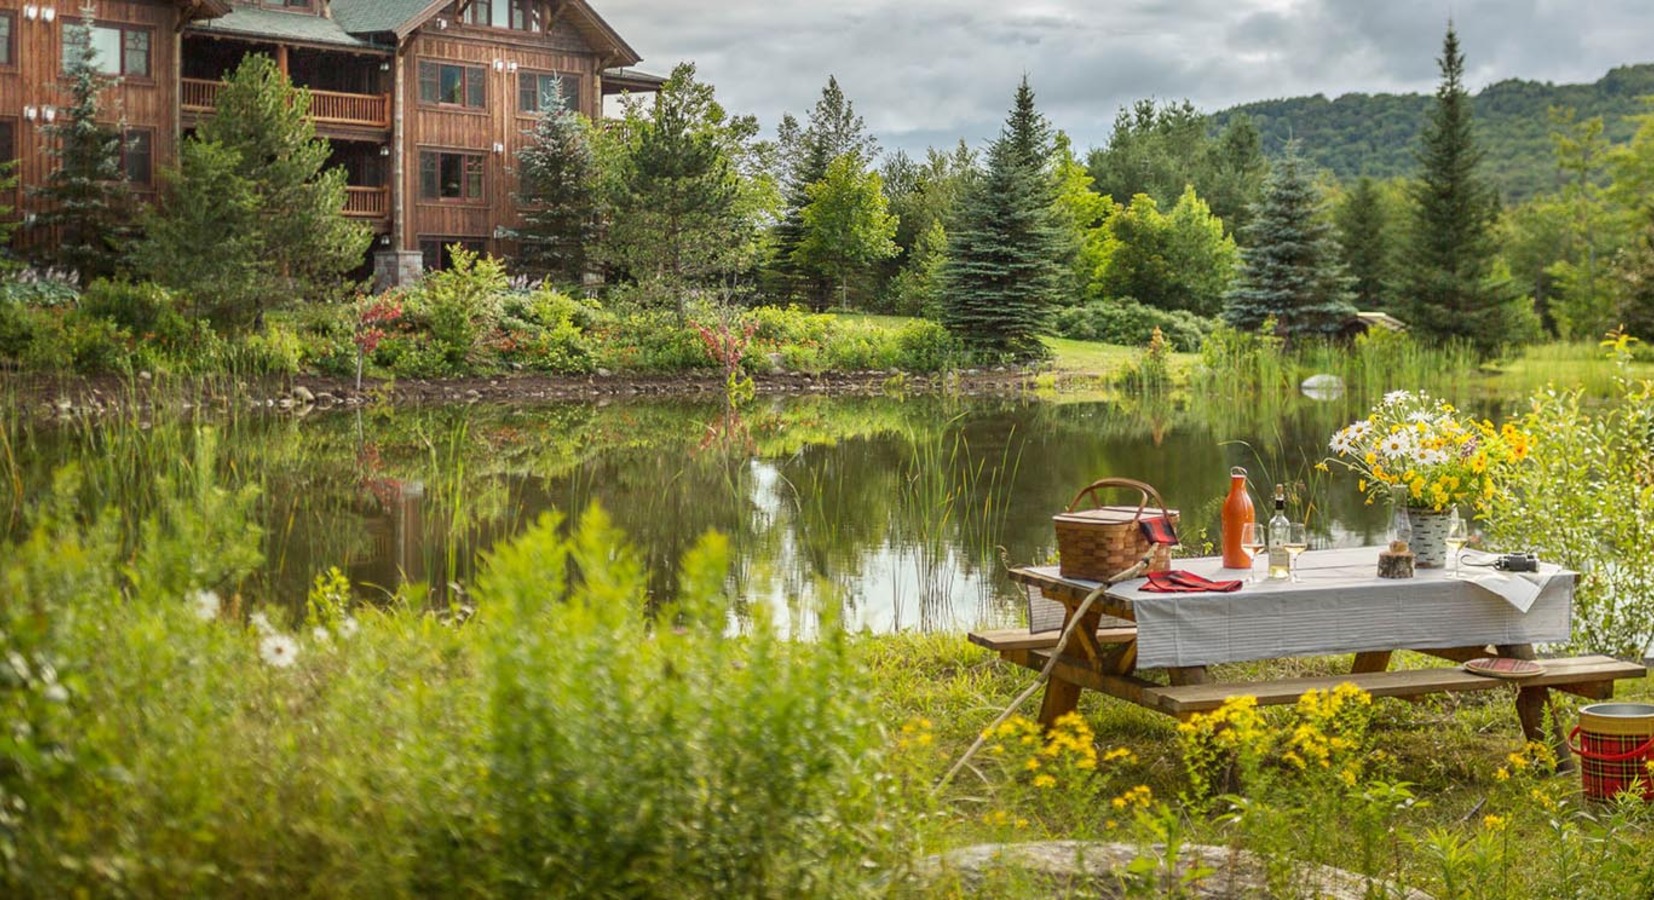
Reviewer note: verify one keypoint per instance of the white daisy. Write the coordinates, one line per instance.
(1359, 430)
(279, 650)
(1396, 445)
(1432, 457)
(205, 604)
(321, 634)
(347, 627)
(1340, 442)
(261, 622)
(1419, 416)
(1395, 397)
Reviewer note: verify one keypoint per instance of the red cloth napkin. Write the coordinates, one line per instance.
(1178, 581)
(1158, 530)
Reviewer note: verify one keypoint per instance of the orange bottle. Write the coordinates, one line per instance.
(1237, 511)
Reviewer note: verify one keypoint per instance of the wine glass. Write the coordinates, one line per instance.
(1458, 533)
(1252, 540)
(1297, 541)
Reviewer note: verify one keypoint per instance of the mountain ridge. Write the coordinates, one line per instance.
(1359, 134)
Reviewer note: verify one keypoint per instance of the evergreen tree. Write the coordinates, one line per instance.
(917, 288)
(1162, 150)
(558, 191)
(1292, 272)
(86, 205)
(1005, 269)
(677, 222)
(8, 225)
(847, 224)
(1451, 290)
(1583, 307)
(833, 130)
(1632, 190)
(282, 229)
(1364, 235)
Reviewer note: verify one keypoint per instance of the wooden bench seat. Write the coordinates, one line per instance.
(1587, 676)
(1023, 639)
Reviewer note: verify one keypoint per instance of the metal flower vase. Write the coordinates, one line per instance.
(1429, 543)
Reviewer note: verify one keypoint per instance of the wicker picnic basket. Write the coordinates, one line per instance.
(1097, 543)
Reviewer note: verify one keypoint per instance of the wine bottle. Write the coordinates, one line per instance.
(1280, 530)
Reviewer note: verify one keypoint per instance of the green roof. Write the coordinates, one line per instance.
(373, 16)
(250, 21)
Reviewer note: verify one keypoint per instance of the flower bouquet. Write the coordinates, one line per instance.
(1419, 450)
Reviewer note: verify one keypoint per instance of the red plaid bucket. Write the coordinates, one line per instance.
(1615, 743)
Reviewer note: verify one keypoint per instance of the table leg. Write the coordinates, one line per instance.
(1370, 661)
(1182, 675)
(1532, 711)
(1061, 698)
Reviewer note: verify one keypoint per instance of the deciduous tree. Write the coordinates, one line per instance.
(832, 130)
(847, 224)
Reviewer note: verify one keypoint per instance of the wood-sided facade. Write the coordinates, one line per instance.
(426, 104)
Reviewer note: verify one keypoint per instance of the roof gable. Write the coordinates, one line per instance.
(403, 17)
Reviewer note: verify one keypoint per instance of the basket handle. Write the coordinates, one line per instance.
(1145, 489)
(1595, 756)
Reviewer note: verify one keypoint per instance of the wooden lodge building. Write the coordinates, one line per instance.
(425, 102)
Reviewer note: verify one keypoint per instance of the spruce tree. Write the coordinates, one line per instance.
(1364, 236)
(1449, 289)
(1292, 272)
(558, 181)
(86, 205)
(833, 130)
(282, 232)
(1005, 270)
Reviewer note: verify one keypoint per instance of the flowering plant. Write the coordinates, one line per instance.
(1423, 445)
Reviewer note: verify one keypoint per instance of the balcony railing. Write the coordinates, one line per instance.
(367, 202)
(199, 95)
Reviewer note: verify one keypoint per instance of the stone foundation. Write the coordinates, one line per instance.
(395, 268)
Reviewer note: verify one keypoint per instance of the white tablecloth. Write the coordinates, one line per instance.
(1340, 606)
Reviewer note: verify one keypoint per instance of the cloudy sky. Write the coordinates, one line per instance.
(928, 72)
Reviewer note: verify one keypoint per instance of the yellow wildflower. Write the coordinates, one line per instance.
(1044, 781)
(1493, 823)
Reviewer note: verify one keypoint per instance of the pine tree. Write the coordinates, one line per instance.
(8, 225)
(1292, 272)
(282, 228)
(1005, 271)
(1364, 236)
(1451, 291)
(677, 220)
(833, 130)
(86, 202)
(559, 194)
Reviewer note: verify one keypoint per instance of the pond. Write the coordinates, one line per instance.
(903, 511)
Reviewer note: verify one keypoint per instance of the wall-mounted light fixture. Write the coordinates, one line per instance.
(511, 66)
(48, 113)
(30, 11)
(499, 65)
(384, 149)
(441, 23)
(384, 240)
(48, 13)
(384, 67)
(499, 147)
(30, 112)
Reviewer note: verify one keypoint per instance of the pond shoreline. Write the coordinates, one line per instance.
(80, 395)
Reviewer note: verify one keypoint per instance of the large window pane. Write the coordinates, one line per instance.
(429, 90)
(8, 56)
(474, 85)
(453, 84)
(429, 184)
(452, 175)
(8, 140)
(138, 156)
(106, 43)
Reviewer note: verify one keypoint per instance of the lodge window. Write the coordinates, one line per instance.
(450, 176)
(291, 4)
(117, 49)
(527, 15)
(8, 39)
(479, 12)
(536, 90)
(8, 141)
(138, 156)
(438, 251)
(451, 84)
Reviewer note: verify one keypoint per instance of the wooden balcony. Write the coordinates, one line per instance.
(367, 202)
(200, 96)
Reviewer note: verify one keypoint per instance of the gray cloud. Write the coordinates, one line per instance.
(928, 72)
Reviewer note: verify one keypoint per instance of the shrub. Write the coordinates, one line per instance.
(649, 342)
(544, 330)
(460, 304)
(414, 356)
(925, 346)
(1130, 324)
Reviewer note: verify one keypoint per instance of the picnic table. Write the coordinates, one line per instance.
(1337, 606)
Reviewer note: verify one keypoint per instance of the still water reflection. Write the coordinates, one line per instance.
(897, 509)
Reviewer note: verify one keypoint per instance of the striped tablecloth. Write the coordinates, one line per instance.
(1340, 606)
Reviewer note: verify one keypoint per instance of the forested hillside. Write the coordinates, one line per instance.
(1376, 134)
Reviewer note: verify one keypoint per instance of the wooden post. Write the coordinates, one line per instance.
(1532, 710)
(281, 60)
